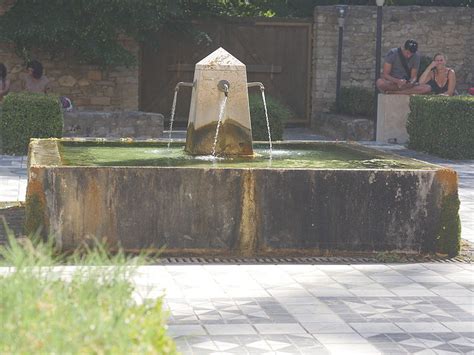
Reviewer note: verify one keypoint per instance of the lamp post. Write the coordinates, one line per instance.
(341, 18)
(378, 50)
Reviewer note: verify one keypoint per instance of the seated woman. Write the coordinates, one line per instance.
(441, 79)
(4, 82)
(35, 81)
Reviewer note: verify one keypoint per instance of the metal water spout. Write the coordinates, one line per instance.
(182, 83)
(224, 86)
(256, 83)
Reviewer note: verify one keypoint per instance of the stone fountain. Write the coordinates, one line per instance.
(246, 205)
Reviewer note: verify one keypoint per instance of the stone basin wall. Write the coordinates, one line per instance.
(240, 212)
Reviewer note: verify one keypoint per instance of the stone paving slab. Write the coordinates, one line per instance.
(283, 310)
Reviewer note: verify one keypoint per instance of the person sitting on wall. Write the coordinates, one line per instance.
(400, 71)
(4, 82)
(441, 79)
(35, 81)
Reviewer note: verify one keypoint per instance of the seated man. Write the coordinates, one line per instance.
(400, 71)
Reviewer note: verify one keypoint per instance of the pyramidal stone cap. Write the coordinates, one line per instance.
(220, 59)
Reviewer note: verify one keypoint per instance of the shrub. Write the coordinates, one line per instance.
(278, 114)
(442, 126)
(356, 101)
(28, 115)
(88, 309)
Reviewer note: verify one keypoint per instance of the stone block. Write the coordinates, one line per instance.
(100, 101)
(392, 115)
(343, 127)
(67, 80)
(118, 124)
(94, 75)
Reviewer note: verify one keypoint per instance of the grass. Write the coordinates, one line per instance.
(47, 307)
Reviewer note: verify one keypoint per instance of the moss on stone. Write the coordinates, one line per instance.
(34, 223)
(448, 239)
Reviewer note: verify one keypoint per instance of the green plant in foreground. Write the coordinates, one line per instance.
(46, 308)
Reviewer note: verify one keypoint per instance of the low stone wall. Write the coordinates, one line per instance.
(343, 127)
(119, 124)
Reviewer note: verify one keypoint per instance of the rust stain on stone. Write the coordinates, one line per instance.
(248, 223)
(448, 179)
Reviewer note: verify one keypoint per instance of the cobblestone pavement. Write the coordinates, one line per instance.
(416, 308)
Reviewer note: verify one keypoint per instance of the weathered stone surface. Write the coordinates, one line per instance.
(119, 124)
(392, 115)
(67, 80)
(343, 127)
(212, 211)
(94, 75)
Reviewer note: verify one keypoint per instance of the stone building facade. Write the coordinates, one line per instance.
(89, 86)
(437, 29)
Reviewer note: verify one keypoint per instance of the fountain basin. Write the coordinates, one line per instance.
(382, 203)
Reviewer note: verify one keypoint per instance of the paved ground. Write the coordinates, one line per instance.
(312, 309)
(318, 309)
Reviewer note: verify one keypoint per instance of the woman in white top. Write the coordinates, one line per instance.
(35, 81)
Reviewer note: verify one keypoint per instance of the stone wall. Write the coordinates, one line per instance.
(88, 86)
(446, 29)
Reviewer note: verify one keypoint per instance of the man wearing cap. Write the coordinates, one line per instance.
(400, 71)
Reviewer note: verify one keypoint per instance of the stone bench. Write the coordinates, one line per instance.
(116, 124)
(392, 115)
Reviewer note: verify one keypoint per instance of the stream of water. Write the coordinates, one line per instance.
(219, 122)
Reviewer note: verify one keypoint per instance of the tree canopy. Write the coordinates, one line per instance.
(90, 29)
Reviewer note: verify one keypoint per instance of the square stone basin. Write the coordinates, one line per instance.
(310, 198)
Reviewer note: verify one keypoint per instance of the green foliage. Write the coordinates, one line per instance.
(85, 310)
(278, 114)
(442, 125)
(305, 8)
(356, 101)
(91, 28)
(449, 235)
(29, 115)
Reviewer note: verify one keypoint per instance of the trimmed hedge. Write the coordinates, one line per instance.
(278, 114)
(29, 115)
(356, 101)
(442, 126)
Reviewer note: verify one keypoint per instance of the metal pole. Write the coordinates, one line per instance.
(339, 65)
(378, 50)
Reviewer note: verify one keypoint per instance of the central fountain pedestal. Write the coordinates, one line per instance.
(208, 98)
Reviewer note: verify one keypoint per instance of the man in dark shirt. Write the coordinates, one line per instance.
(400, 71)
